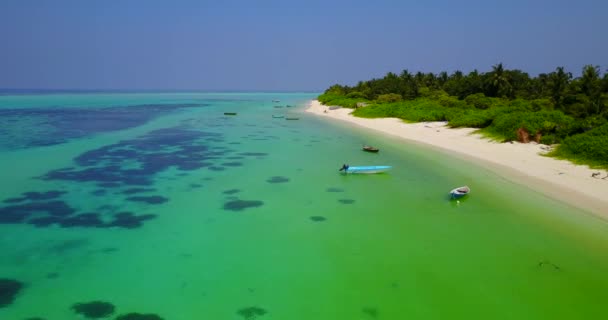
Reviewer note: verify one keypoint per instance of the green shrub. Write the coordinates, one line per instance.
(389, 97)
(506, 124)
(478, 100)
(590, 147)
(472, 119)
(356, 95)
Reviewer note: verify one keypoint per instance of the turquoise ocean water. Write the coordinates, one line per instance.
(160, 204)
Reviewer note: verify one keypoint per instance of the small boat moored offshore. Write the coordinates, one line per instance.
(292, 118)
(460, 192)
(364, 169)
(278, 116)
(276, 100)
(230, 113)
(370, 149)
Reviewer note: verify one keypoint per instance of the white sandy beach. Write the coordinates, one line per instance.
(519, 162)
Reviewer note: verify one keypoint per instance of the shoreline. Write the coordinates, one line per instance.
(521, 163)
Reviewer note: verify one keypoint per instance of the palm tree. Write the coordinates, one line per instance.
(499, 84)
(558, 82)
(591, 87)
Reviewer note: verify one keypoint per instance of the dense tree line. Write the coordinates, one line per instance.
(555, 106)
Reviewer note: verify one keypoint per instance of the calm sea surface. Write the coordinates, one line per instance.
(161, 204)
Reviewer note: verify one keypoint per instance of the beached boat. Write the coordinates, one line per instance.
(460, 192)
(230, 113)
(364, 169)
(334, 107)
(370, 149)
(278, 116)
(292, 118)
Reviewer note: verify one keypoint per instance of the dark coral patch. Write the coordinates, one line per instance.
(372, 312)
(9, 289)
(346, 201)
(196, 185)
(239, 205)
(253, 154)
(128, 220)
(332, 189)
(137, 190)
(19, 213)
(36, 196)
(94, 309)
(231, 191)
(277, 179)
(149, 199)
(52, 275)
(59, 125)
(318, 218)
(251, 313)
(139, 316)
(135, 162)
(214, 168)
(89, 220)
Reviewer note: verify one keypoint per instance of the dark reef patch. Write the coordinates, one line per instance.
(52, 275)
(277, 179)
(137, 190)
(20, 212)
(94, 309)
(196, 185)
(51, 126)
(128, 220)
(9, 288)
(250, 313)
(231, 191)
(318, 218)
(239, 205)
(135, 162)
(253, 154)
(346, 201)
(372, 312)
(139, 316)
(214, 168)
(332, 189)
(149, 199)
(36, 196)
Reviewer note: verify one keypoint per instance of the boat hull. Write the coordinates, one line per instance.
(459, 192)
(367, 169)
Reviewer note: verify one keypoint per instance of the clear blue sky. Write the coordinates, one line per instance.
(285, 45)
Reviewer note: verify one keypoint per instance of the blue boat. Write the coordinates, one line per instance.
(460, 192)
(364, 169)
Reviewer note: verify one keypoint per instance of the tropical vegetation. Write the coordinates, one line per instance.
(507, 105)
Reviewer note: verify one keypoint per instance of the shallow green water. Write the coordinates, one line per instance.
(392, 246)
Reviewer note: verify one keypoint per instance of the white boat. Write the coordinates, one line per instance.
(364, 169)
(460, 192)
